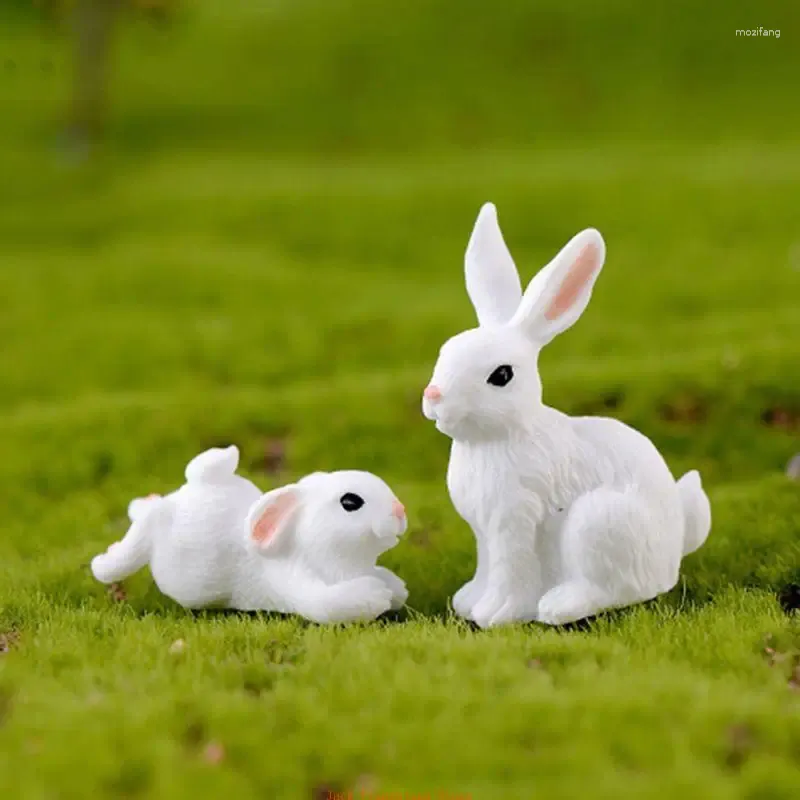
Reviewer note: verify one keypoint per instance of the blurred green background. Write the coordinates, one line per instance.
(258, 238)
(254, 150)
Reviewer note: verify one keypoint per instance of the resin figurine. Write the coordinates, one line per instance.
(309, 548)
(572, 515)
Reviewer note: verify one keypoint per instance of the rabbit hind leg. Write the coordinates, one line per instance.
(125, 557)
(610, 558)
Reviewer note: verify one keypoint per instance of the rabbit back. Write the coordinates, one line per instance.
(632, 459)
(199, 560)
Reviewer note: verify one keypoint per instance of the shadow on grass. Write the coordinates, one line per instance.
(139, 598)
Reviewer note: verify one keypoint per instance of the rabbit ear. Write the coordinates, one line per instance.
(493, 283)
(560, 292)
(272, 516)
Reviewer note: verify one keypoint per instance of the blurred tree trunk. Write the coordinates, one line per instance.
(94, 22)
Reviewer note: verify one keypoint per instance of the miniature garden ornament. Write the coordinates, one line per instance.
(572, 515)
(308, 548)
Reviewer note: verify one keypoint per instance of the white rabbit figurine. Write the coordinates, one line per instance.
(572, 515)
(308, 548)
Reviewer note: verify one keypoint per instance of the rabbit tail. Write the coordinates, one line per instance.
(213, 466)
(133, 552)
(696, 512)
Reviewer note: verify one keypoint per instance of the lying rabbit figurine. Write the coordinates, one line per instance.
(572, 515)
(308, 548)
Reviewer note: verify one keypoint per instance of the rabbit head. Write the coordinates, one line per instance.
(347, 516)
(486, 380)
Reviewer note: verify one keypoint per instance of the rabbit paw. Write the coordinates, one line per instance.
(501, 609)
(359, 599)
(570, 602)
(465, 599)
(493, 605)
(512, 612)
(396, 586)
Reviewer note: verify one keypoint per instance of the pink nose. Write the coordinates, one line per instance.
(433, 393)
(398, 510)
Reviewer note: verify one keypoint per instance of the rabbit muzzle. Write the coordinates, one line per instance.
(431, 397)
(445, 415)
(388, 533)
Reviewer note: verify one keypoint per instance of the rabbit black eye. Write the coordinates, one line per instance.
(351, 502)
(501, 376)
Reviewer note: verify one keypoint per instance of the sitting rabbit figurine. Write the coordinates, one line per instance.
(572, 515)
(308, 548)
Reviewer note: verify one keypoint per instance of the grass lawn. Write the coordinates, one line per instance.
(220, 277)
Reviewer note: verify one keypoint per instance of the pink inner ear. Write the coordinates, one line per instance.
(272, 516)
(578, 276)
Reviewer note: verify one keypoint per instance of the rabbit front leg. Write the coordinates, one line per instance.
(358, 599)
(513, 579)
(396, 585)
(465, 599)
